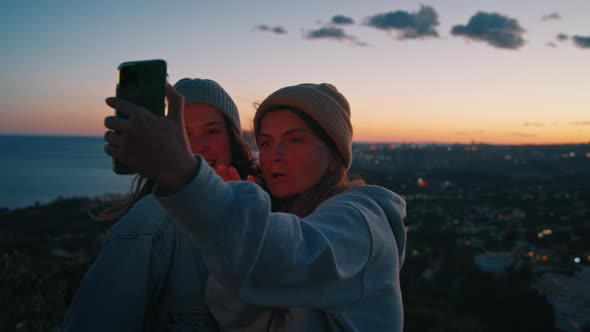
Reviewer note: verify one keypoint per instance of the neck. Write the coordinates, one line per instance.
(294, 204)
(304, 204)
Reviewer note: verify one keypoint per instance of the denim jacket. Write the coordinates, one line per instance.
(148, 276)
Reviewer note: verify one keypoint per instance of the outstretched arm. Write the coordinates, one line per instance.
(275, 259)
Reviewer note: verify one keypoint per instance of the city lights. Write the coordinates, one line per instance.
(537, 222)
(545, 232)
(422, 182)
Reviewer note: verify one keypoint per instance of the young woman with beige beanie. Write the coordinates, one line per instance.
(326, 254)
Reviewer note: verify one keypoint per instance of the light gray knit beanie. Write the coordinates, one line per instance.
(206, 91)
(323, 103)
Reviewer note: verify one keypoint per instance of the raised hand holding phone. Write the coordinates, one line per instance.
(154, 146)
(141, 83)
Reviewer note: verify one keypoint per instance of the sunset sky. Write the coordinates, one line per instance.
(501, 72)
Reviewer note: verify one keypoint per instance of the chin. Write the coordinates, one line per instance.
(280, 194)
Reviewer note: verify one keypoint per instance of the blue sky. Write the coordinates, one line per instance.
(59, 62)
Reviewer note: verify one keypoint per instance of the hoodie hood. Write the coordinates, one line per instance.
(394, 208)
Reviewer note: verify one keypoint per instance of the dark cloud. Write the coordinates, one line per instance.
(583, 42)
(562, 37)
(411, 25)
(533, 124)
(495, 29)
(327, 32)
(278, 30)
(340, 19)
(552, 16)
(334, 33)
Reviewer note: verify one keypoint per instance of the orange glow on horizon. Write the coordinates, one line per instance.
(94, 127)
(490, 136)
(82, 118)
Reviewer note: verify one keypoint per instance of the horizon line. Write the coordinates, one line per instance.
(474, 142)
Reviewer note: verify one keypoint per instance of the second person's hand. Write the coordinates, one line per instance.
(230, 174)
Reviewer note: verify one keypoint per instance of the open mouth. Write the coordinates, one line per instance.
(277, 175)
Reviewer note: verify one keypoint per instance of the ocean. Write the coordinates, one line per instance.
(39, 169)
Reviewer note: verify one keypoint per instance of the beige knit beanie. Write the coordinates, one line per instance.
(209, 92)
(323, 103)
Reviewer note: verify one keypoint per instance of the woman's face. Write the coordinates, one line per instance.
(207, 133)
(293, 158)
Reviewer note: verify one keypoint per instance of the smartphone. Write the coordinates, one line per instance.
(144, 84)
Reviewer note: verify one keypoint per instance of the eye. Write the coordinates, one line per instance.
(263, 144)
(295, 139)
(213, 131)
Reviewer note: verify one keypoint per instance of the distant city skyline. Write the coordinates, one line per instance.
(499, 72)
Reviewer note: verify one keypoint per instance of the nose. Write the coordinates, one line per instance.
(278, 153)
(198, 144)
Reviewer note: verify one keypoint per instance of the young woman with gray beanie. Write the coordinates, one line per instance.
(323, 252)
(149, 274)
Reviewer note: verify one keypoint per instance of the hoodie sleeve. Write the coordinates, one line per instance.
(278, 259)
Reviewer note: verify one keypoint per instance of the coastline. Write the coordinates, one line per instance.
(36, 204)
